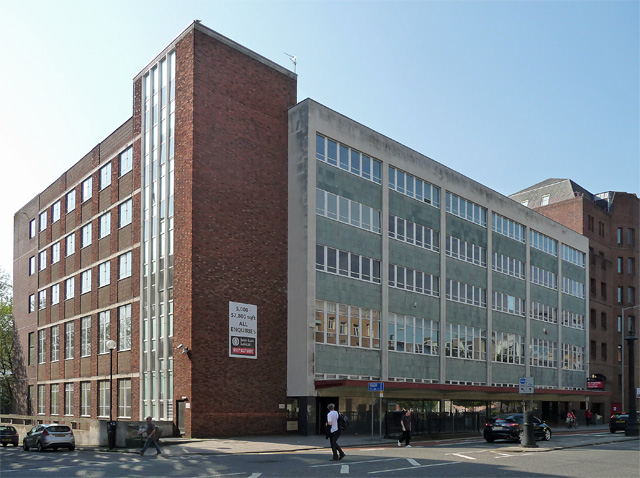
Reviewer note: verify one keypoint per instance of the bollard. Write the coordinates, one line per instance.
(527, 438)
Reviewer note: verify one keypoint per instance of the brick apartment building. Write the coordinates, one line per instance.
(254, 258)
(611, 221)
(199, 169)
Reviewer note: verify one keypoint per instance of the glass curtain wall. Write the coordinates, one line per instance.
(156, 331)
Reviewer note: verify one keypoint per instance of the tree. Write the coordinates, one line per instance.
(7, 331)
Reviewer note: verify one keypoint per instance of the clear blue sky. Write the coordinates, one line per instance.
(507, 93)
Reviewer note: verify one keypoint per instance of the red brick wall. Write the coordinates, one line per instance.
(236, 160)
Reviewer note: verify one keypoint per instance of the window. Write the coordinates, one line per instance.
(71, 201)
(631, 295)
(105, 225)
(572, 319)
(569, 254)
(631, 237)
(347, 264)
(508, 265)
(104, 274)
(124, 398)
(592, 287)
(32, 303)
(125, 212)
(631, 266)
(592, 350)
(508, 304)
(543, 277)
(466, 293)
(55, 214)
(544, 312)
(85, 336)
(525, 203)
(55, 253)
(603, 351)
(32, 265)
(543, 353)
(462, 341)
(55, 343)
(85, 399)
(55, 294)
(545, 200)
(124, 327)
(30, 400)
(68, 399)
(414, 187)
(85, 280)
(347, 325)
(71, 244)
(572, 357)
(603, 261)
(32, 229)
(603, 290)
(603, 320)
(601, 228)
(466, 209)
(507, 227)
(466, 251)
(507, 348)
(620, 294)
(592, 318)
(87, 189)
(105, 176)
(412, 334)
(572, 287)
(413, 233)
(69, 340)
(350, 160)
(41, 400)
(591, 222)
(347, 211)
(32, 348)
(103, 398)
(104, 331)
(543, 243)
(43, 221)
(125, 265)
(620, 265)
(126, 161)
(42, 299)
(619, 323)
(42, 344)
(86, 235)
(43, 260)
(69, 288)
(619, 236)
(413, 280)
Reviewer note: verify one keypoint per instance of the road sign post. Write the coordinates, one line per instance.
(376, 387)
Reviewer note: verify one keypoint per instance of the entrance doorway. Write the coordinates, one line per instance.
(182, 405)
(321, 411)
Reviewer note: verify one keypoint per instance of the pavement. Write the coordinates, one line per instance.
(174, 446)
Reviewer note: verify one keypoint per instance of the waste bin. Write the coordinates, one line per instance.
(111, 433)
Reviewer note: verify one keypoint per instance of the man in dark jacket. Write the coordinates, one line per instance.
(406, 429)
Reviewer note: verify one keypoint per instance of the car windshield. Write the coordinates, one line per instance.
(59, 429)
(7, 429)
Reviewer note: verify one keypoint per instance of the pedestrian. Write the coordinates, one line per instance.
(151, 430)
(334, 432)
(587, 416)
(406, 429)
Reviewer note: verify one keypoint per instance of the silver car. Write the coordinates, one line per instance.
(51, 435)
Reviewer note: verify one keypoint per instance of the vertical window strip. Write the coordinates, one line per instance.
(414, 234)
(464, 341)
(508, 304)
(414, 187)
(574, 256)
(572, 287)
(405, 278)
(543, 243)
(543, 353)
(544, 312)
(347, 325)
(544, 277)
(507, 348)
(412, 334)
(347, 264)
(573, 320)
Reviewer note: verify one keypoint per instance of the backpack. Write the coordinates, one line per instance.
(343, 422)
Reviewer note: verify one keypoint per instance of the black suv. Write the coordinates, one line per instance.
(510, 427)
(619, 421)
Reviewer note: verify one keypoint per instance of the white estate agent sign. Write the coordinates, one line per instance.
(243, 330)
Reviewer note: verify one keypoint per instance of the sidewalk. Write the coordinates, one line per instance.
(173, 446)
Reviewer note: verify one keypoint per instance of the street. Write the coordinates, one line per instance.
(463, 458)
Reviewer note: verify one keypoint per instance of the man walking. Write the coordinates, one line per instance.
(332, 421)
(587, 416)
(406, 429)
(151, 438)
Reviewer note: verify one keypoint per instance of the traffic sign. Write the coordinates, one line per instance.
(376, 386)
(526, 385)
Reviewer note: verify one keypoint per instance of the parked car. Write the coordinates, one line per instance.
(50, 435)
(619, 421)
(510, 427)
(8, 435)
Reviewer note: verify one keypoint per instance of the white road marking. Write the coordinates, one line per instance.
(255, 475)
(356, 462)
(413, 462)
(463, 456)
(344, 469)
(414, 467)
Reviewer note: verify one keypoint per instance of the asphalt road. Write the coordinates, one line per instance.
(469, 458)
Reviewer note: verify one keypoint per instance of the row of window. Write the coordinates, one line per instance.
(543, 243)
(631, 265)
(508, 303)
(413, 187)
(574, 256)
(348, 159)
(69, 344)
(125, 262)
(104, 229)
(347, 264)
(631, 236)
(466, 209)
(342, 324)
(413, 280)
(507, 227)
(347, 211)
(466, 251)
(544, 312)
(68, 391)
(466, 293)
(544, 277)
(508, 265)
(126, 165)
(414, 234)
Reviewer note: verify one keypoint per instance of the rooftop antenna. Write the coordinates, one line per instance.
(293, 59)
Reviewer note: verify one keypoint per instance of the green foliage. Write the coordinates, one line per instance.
(7, 330)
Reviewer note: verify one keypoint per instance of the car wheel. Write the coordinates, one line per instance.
(72, 447)
(39, 446)
(25, 447)
(489, 439)
(547, 434)
(612, 430)
(4, 444)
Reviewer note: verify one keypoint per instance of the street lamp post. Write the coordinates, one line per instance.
(631, 428)
(111, 345)
(622, 354)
